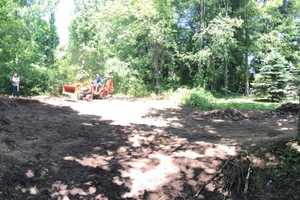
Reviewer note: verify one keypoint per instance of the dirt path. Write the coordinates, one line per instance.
(168, 115)
(120, 149)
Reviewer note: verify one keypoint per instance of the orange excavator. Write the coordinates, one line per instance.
(106, 90)
(72, 90)
(82, 91)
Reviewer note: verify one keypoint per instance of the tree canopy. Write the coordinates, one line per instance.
(168, 43)
(155, 45)
(28, 40)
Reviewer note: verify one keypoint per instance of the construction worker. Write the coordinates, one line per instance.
(97, 83)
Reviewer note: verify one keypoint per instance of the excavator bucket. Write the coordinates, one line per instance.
(71, 90)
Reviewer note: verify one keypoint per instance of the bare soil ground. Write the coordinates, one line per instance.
(53, 148)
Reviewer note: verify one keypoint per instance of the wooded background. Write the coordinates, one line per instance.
(155, 45)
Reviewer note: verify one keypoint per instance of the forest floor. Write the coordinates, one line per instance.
(121, 148)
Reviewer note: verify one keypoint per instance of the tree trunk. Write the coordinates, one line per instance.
(157, 75)
(285, 6)
(226, 76)
(201, 13)
(247, 92)
(226, 7)
(298, 127)
(155, 57)
(213, 75)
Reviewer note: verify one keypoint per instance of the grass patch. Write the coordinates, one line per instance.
(204, 100)
(242, 103)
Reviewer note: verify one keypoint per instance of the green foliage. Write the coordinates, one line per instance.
(167, 44)
(125, 79)
(61, 73)
(291, 157)
(244, 104)
(27, 44)
(155, 45)
(204, 100)
(220, 40)
(137, 88)
(278, 171)
(138, 33)
(273, 77)
(277, 51)
(200, 98)
(293, 83)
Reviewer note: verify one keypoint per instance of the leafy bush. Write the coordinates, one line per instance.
(200, 98)
(126, 80)
(59, 75)
(137, 88)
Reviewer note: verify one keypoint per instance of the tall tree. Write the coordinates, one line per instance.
(24, 44)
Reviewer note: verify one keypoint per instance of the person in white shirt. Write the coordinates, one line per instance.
(15, 81)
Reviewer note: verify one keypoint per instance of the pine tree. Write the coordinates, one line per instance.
(272, 79)
(292, 83)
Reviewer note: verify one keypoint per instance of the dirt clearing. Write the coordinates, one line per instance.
(51, 148)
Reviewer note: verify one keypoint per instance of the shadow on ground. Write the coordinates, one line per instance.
(231, 127)
(50, 152)
(36, 139)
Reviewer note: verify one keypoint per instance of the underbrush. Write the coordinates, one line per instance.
(130, 86)
(269, 172)
(276, 172)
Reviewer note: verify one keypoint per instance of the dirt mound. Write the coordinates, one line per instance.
(289, 108)
(231, 114)
(7, 103)
(285, 110)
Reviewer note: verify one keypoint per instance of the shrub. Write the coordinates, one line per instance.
(200, 98)
(126, 80)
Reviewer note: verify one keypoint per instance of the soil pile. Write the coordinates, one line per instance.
(292, 108)
(228, 114)
(285, 110)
